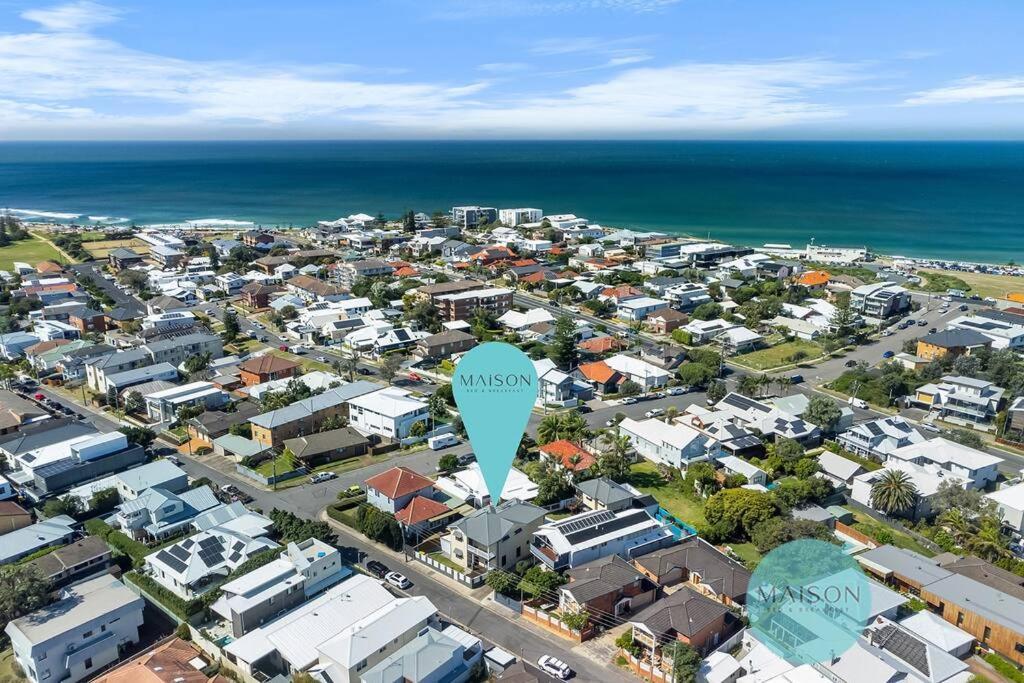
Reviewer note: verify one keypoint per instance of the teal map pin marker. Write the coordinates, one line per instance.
(495, 386)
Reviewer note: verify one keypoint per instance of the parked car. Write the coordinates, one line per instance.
(378, 569)
(922, 323)
(796, 379)
(466, 459)
(364, 371)
(654, 412)
(888, 354)
(678, 391)
(554, 667)
(888, 333)
(415, 377)
(174, 461)
(963, 307)
(322, 476)
(322, 359)
(930, 428)
(397, 580)
(932, 330)
(858, 403)
(629, 400)
(353, 490)
(39, 397)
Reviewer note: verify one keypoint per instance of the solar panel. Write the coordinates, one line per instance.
(178, 552)
(187, 543)
(235, 556)
(874, 429)
(171, 561)
(209, 542)
(904, 646)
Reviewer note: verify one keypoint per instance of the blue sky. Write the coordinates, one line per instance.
(758, 69)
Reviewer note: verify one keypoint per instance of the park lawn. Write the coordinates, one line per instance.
(777, 356)
(645, 477)
(867, 525)
(32, 251)
(985, 284)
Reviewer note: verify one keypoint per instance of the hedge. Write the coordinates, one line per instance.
(119, 541)
(183, 609)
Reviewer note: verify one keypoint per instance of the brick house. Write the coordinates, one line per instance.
(266, 368)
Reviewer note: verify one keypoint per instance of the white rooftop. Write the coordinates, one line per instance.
(389, 402)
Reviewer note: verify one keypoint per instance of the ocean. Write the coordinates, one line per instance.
(958, 200)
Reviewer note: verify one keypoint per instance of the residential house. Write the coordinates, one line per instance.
(16, 412)
(267, 368)
(308, 415)
(925, 478)
(84, 558)
(393, 489)
(451, 655)
(424, 516)
(648, 376)
(1010, 501)
(462, 305)
(87, 320)
(257, 239)
(494, 537)
(685, 616)
(335, 444)
(163, 406)
(162, 474)
(880, 437)
(301, 572)
(177, 349)
(686, 296)
(123, 258)
(591, 535)
(215, 423)
(839, 470)
(608, 586)
(147, 374)
(639, 308)
(468, 485)
(349, 273)
(22, 542)
(880, 300)
(196, 564)
(517, 322)
(705, 331)
(567, 455)
(963, 400)
(311, 289)
(666, 320)
(701, 566)
(600, 376)
(257, 295)
(977, 468)
(79, 634)
(157, 513)
(1003, 332)
(769, 420)
(12, 515)
(445, 344)
(732, 465)
(554, 386)
(171, 661)
(601, 493)
(345, 632)
(673, 444)
(952, 342)
(61, 464)
(388, 413)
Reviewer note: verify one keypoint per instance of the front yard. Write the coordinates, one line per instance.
(646, 478)
(786, 353)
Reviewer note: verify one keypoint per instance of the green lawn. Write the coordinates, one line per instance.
(440, 557)
(747, 553)
(782, 354)
(31, 251)
(339, 467)
(645, 477)
(280, 464)
(7, 663)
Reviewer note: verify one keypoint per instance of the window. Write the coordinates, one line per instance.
(986, 635)
(88, 662)
(959, 618)
(87, 634)
(42, 656)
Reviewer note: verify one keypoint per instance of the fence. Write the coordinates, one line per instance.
(552, 623)
(271, 480)
(731, 642)
(645, 670)
(856, 535)
(471, 580)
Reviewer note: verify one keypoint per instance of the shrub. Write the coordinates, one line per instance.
(181, 608)
(1004, 668)
(184, 631)
(118, 541)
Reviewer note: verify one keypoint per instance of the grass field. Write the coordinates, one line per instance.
(982, 284)
(646, 478)
(747, 553)
(100, 248)
(31, 251)
(7, 662)
(777, 356)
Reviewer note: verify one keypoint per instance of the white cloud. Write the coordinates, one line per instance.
(470, 9)
(67, 79)
(503, 67)
(972, 89)
(72, 17)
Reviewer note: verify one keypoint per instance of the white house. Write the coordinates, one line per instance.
(1003, 333)
(191, 566)
(468, 485)
(676, 445)
(976, 467)
(591, 535)
(1010, 500)
(733, 465)
(640, 307)
(162, 406)
(555, 387)
(389, 413)
(78, 635)
(878, 438)
(925, 479)
(704, 331)
(643, 373)
(687, 296)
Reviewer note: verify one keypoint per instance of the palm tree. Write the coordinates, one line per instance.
(749, 385)
(893, 492)
(989, 543)
(670, 414)
(956, 525)
(575, 428)
(782, 382)
(549, 429)
(350, 363)
(764, 383)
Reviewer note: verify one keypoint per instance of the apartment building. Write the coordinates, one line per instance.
(349, 273)
(462, 305)
(472, 216)
(514, 217)
(880, 300)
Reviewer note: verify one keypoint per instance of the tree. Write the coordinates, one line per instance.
(23, 589)
(198, 364)
(134, 403)
(390, 365)
(629, 388)
(989, 543)
(749, 385)
(972, 503)
(735, 512)
(350, 363)
(844, 319)
(243, 429)
(553, 483)
(716, 391)
(700, 480)
(965, 437)
(448, 462)
(770, 534)
(805, 468)
(893, 493)
(438, 406)
(104, 500)
(68, 505)
(231, 329)
(379, 526)
(789, 450)
(570, 426)
(613, 462)
(562, 349)
(138, 435)
(539, 582)
(824, 412)
(418, 429)
(575, 621)
(708, 311)
(694, 374)
(685, 660)
(502, 582)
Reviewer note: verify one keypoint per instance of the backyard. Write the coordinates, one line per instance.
(7, 663)
(786, 353)
(887, 534)
(646, 478)
(31, 251)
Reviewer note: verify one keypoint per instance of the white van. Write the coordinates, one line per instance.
(858, 403)
(440, 441)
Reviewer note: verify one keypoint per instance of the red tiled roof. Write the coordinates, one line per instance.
(420, 509)
(621, 291)
(814, 278)
(523, 262)
(563, 451)
(598, 371)
(398, 482)
(266, 364)
(63, 287)
(48, 267)
(539, 276)
(44, 346)
(406, 271)
(600, 344)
